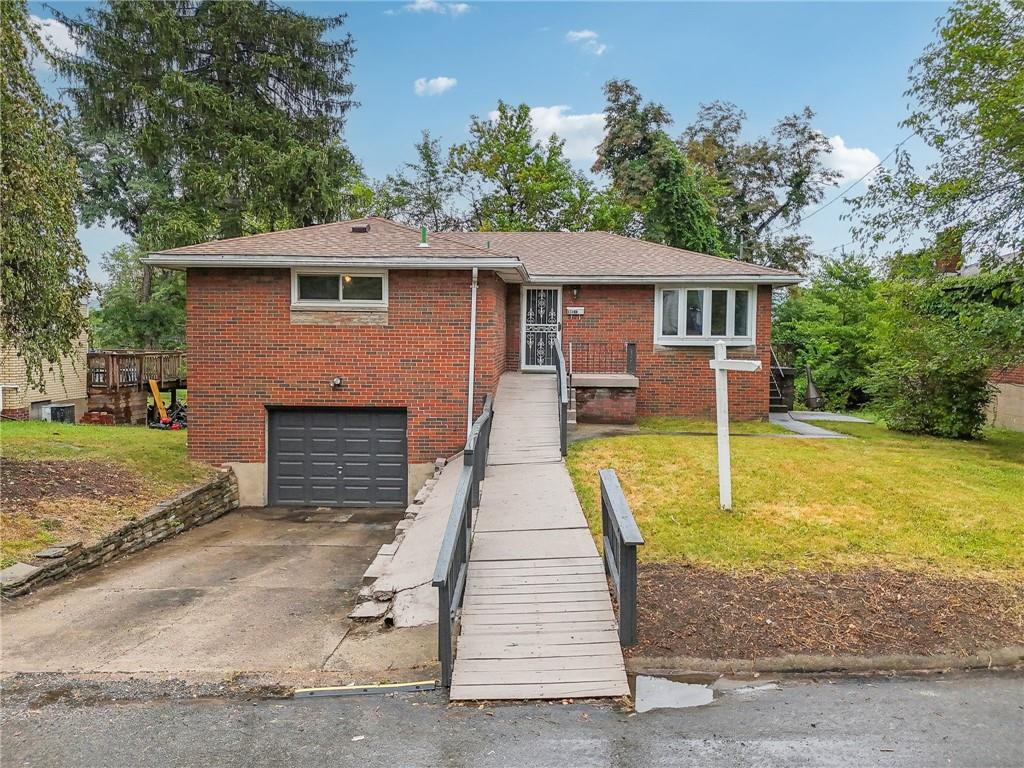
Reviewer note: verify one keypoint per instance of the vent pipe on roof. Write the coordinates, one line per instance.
(423, 238)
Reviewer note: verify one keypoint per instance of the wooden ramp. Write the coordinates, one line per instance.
(537, 620)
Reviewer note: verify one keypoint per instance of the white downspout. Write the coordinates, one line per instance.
(472, 353)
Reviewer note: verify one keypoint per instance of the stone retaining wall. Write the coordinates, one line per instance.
(188, 509)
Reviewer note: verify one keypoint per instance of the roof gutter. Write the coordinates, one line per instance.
(182, 261)
(774, 279)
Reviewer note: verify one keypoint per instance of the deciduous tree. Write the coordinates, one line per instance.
(968, 89)
(43, 270)
(766, 184)
(675, 200)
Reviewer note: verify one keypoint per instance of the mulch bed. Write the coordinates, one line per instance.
(27, 482)
(706, 613)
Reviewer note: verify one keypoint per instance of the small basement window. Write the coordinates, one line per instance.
(336, 289)
(704, 314)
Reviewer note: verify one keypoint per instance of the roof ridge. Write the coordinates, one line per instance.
(674, 249)
(441, 236)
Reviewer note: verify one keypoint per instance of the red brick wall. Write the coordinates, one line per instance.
(604, 405)
(674, 381)
(514, 310)
(1010, 376)
(490, 336)
(246, 351)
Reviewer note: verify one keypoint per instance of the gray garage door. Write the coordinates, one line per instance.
(338, 457)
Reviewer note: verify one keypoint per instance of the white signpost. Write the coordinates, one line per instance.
(721, 366)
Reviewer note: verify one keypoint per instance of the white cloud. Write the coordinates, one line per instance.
(852, 162)
(433, 6)
(55, 36)
(582, 133)
(433, 86)
(587, 39)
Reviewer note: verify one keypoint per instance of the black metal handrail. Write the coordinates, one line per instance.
(453, 558)
(563, 400)
(602, 357)
(621, 537)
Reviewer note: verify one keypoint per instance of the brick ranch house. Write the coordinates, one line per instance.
(331, 364)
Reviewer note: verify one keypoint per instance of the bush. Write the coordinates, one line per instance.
(937, 343)
(831, 327)
(931, 380)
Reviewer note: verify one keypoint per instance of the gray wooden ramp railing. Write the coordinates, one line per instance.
(536, 619)
(453, 557)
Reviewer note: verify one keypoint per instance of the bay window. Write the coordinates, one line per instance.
(704, 314)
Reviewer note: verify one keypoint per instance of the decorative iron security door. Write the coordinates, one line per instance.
(542, 327)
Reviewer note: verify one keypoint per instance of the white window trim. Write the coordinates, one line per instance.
(706, 340)
(342, 304)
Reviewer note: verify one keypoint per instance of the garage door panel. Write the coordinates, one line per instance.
(338, 457)
(391, 471)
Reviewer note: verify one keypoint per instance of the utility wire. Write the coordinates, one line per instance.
(858, 181)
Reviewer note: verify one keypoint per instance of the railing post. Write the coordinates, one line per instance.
(621, 536)
(444, 635)
(469, 460)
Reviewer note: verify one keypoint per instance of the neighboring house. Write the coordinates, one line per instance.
(1007, 408)
(62, 395)
(331, 364)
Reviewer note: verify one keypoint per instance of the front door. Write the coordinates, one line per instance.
(542, 328)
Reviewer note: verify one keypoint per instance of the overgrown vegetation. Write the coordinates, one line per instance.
(830, 326)
(920, 350)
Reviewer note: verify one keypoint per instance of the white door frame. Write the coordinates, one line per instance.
(522, 325)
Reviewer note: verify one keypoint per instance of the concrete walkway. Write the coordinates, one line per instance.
(537, 619)
(797, 423)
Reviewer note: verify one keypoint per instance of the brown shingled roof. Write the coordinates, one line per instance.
(385, 239)
(572, 255)
(605, 254)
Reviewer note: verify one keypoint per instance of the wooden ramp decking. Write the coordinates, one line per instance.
(537, 620)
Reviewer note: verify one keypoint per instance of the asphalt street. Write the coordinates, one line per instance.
(959, 720)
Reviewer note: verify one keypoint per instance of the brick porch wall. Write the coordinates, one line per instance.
(513, 315)
(674, 381)
(247, 350)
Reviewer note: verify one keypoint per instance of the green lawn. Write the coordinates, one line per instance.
(155, 460)
(880, 498)
(676, 424)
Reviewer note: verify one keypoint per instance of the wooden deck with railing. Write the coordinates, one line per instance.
(121, 369)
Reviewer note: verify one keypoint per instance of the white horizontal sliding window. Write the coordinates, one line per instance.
(339, 289)
(700, 315)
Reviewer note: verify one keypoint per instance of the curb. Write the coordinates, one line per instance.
(1010, 656)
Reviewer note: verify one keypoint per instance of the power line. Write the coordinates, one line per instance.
(858, 181)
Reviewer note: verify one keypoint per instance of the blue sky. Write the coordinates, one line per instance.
(848, 61)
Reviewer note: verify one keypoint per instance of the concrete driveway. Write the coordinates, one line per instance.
(259, 590)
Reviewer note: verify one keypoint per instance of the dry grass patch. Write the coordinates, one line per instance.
(79, 482)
